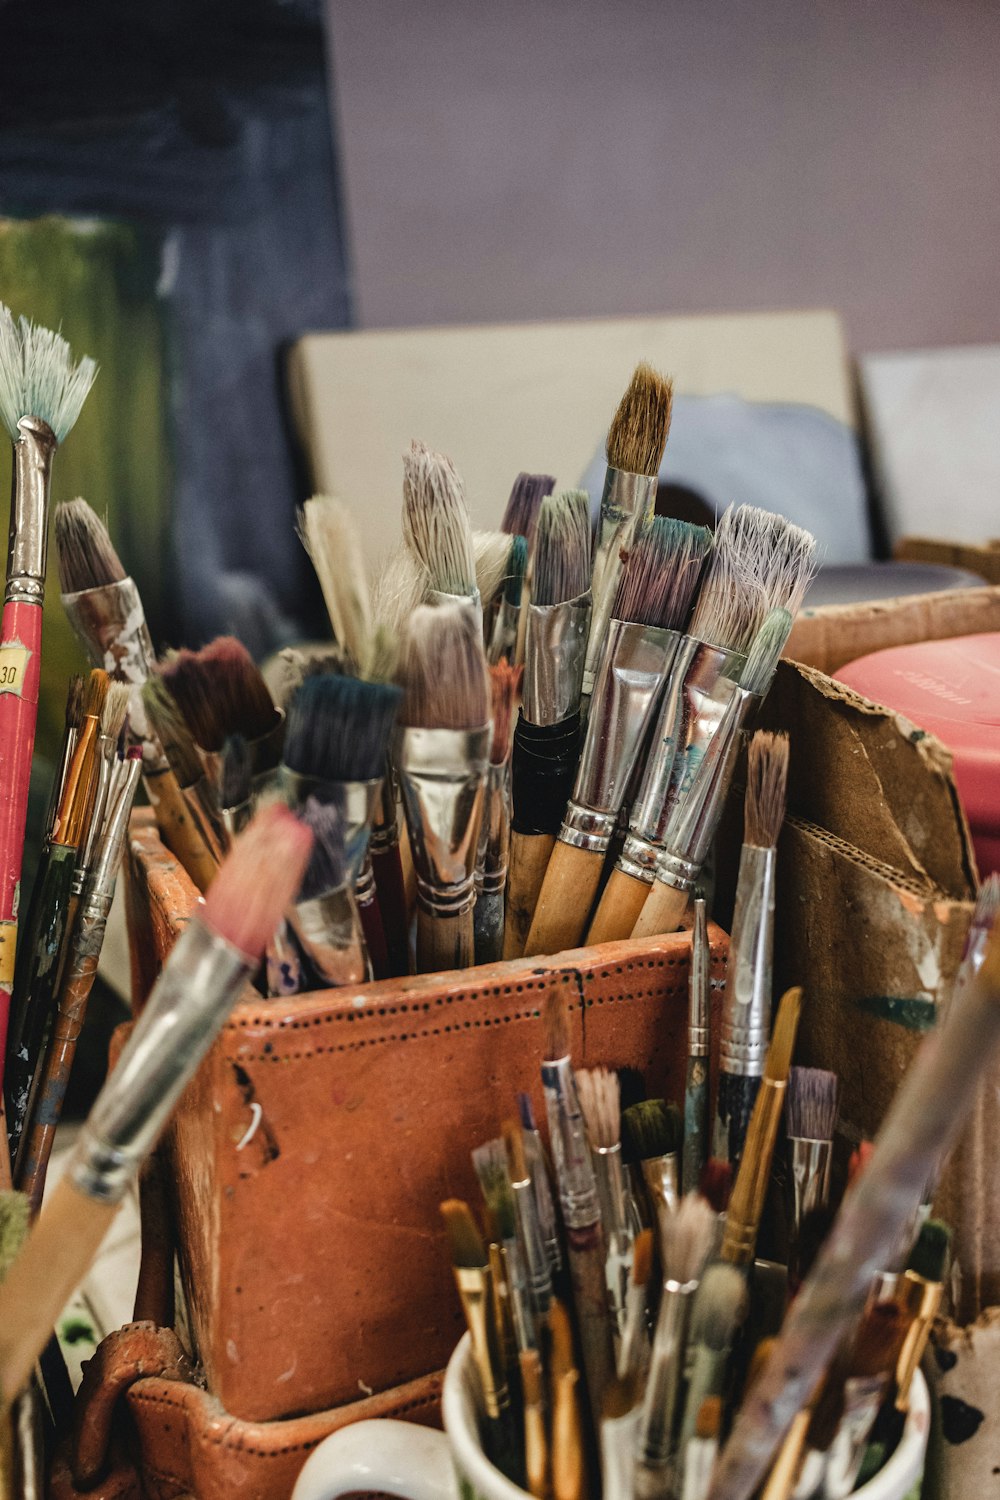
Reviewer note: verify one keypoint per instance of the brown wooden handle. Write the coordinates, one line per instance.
(565, 900)
(444, 942)
(529, 859)
(409, 873)
(623, 899)
(178, 828)
(55, 1258)
(663, 911)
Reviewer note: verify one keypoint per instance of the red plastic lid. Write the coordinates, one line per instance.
(950, 689)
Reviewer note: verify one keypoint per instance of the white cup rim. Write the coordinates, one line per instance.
(893, 1482)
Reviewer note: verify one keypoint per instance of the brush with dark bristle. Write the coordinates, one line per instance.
(446, 694)
(636, 440)
(716, 1183)
(84, 550)
(505, 635)
(654, 1130)
(220, 691)
(746, 1008)
(436, 525)
(547, 737)
(661, 573)
(521, 511)
(494, 832)
(810, 1121)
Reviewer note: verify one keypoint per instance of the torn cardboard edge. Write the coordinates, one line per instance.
(831, 635)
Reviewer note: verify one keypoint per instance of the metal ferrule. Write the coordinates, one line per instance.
(101, 884)
(632, 670)
(329, 931)
(473, 600)
(810, 1169)
(354, 800)
(538, 1168)
(385, 828)
(442, 773)
(701, 793)
(110, 624)
(503, 641)
(28, 541)
(862, 1399)
(364, 886)
(555, 648)
(611, 1192)
(745, 1030)
(662, 1180)
(473, 1285)
(666, 1376)
(494, 831)
(921, 1298)
(570, 1150)
(235, 819)
(699, 985)
(189, 1003)
(626, 502)
(538, 1273)
(265, 753)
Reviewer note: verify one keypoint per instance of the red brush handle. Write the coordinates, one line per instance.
(20, 664)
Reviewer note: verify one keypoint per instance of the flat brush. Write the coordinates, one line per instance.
(437, 529)
(746, 1008)
(235, 785)
(524, 503)
(654, 1131)
(494, 836)
(204, 973)
(441, 754)
(330, 535)
(41, 395)
(220, 691)
(530, 1237)
(320, 945)
(71, 727)
(636, 440)
(810, 1121)
(506, 627)
(631, 671)
(695, 1147)
(538, 1167)
(547, 733)
(581, 1212)
(199, 827)
(599, 1095)
(720, 1308)
(633, 1350)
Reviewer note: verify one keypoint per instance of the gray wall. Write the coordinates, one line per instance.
(546, 158)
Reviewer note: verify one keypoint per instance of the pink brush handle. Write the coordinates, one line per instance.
(20, 663)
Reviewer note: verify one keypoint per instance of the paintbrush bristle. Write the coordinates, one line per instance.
(38, 377)
(492, 553)
(767, 778)
(811, 1104)
(720, 1307)
(338, 728)
(505, 693)
(687, 1238)
(74, 701)
(220, 691)
(517, 566)
(782, 1047)
(638, 432)
(787, 565)
(521, 511)
(561, 563)
(256, 881)
(115, 710)
(716, 1183)
(84, 551)
(765, 652)
(167, 723)
(929, 1256)
(95, 693)
(329, 533)
(653, 1128)
(235, 772)
(443, 670)
(555, 1021)
(661, 574)
(490, 1163)
(436, 524)
(327, 867)
(467, 1248)
(726, 613)
(600, 1101)
(398, 586)
(513, 1139)
(642, 1258)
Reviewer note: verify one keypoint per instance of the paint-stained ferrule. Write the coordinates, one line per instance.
(442, 775)
(555, 649)
(27, 548)
(570, 1148)
(810, 1173)
(354, 800)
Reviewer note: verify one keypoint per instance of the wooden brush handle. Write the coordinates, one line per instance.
(529, 859)
(178, 828)
(390, 884)
(444, 942)
(663, 911)
(55, 1258)
(564, 902)
(409, 872)
(623, 899)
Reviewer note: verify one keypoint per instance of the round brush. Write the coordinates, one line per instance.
(220, 691)
(494, 836)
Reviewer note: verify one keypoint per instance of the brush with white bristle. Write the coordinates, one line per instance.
(494, 834)
(492, 554)
(441, 755)
(600, 1100)
(437, 529)
(687, 1239)
(329, 533)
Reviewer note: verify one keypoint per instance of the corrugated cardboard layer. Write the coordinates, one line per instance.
(833, 634)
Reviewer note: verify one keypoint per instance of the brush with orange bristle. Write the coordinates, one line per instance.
(494, 833)
(208, 966)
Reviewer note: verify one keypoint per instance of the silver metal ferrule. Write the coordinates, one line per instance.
(474, 601)
(745, 1029)
(329, 930)
(190, 1001)
(442, 773)
(810, 1170)
(555, 648)
(657, 1436)
(28, 541)
(699, 984)
(503, 641)
(494, 831)
(574, 1169)
(702, 792)
(538, 1272)
(627, 501)
(110, 624)
(99, 807)
(101, 883)
(354, 800)
(385, 829)
(630, 675)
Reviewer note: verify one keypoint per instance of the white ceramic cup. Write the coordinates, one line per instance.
(417, 1463)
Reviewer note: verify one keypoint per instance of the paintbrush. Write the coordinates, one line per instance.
(922, 1122)
(491, 550)
(746, 1203)
(437, 530)
(108, 752)
(581, 1212)
(491, 1167)
(653, 1128)
(235, 785)
(631, 670)
(569, 1459)
(687, 1236)
(919, 1294)
(322, 933)
(199, 826)
(600, 1101)
(507, 624)
(494, 834)
(547, 733)
(71, 726)
(620, 1419)
(538, 1167)
(207, 968)
(531, 1240)
(78, 978)
(472, 1278)
(746, 1008)
(330, 535)
(536, 1441)
(524, 503)
(37, 973)
(441, 755)
(701, 1450)
(810, 1121)
(636, 440)
(717, 1316)
(696, 1085)
(702, 779)
(633, 1350)
(41, 395)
